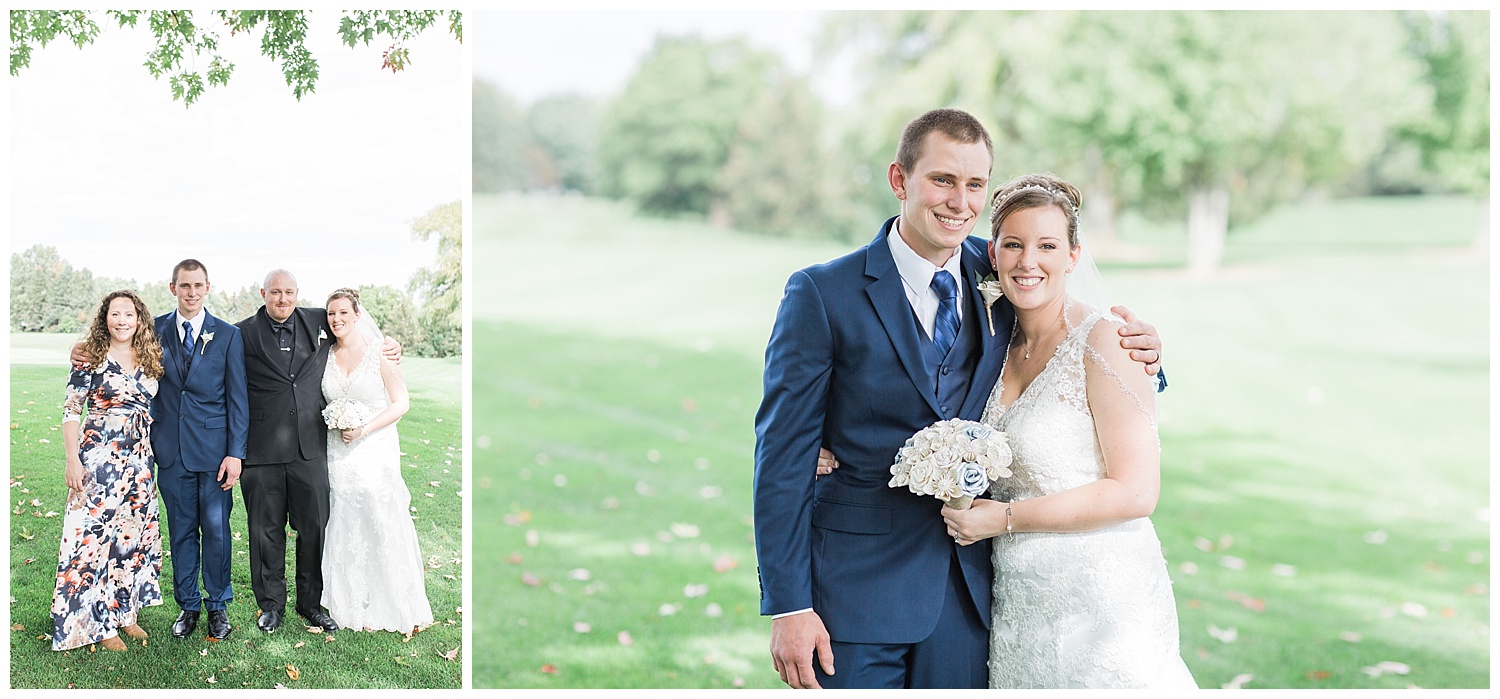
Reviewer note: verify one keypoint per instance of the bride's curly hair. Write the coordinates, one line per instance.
(1033, 191)
(143, 344)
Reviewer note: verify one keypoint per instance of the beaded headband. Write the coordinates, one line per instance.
(999, 204)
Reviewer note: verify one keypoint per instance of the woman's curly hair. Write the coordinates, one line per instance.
(145, 346)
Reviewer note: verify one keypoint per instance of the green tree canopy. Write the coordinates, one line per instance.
(499, 141)
(47, 294)
(185, 40)
(565, 129)
(666, 139)
(439, 288)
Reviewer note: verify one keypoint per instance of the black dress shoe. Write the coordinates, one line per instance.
(218, 624)
(186, 623)
(269, 620)
(320, 618)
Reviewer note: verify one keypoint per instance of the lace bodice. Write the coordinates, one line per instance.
(363, 385)
(1086, 609)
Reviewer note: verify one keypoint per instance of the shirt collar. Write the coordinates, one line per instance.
(196, 322)
(916, 270)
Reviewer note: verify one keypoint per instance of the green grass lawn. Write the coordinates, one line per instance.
(431, 437)
(1325, 499)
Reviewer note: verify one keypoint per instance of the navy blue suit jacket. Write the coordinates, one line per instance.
(201, 412)
(844, 370)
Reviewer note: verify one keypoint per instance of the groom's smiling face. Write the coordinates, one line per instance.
(942, 196)
(191, 288)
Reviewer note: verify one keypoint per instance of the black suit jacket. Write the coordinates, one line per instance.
(286, 400)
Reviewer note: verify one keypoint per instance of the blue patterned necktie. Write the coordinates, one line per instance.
(187, 340)
(945, 323)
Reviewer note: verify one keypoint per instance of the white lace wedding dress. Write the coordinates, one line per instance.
(372, 568)
(1074, 610)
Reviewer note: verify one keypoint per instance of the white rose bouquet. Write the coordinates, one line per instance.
(952, 460)
(345, 414)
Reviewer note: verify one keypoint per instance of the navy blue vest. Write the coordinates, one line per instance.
(950, 376)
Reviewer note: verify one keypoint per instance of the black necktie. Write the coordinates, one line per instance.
(187, 341)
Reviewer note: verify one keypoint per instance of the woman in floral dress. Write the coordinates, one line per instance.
(110, 559)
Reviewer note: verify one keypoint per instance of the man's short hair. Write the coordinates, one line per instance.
(956, 124)
(190, 265)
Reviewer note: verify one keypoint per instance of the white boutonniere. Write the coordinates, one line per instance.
(990, 292)
(321, 336)
(207, 338)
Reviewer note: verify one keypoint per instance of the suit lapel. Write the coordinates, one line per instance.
(166, 333)
(266, 340)
(309, 346)
(199, 345)
(888, 296)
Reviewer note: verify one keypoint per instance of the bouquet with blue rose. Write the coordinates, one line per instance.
(952, 460)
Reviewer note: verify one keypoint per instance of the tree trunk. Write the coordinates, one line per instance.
(1208, 225)
(1100, 212)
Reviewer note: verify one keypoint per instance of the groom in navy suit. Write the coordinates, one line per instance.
(866, 350)
(200, 422)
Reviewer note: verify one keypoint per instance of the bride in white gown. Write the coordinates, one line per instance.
(372, 567)
(1082, 597)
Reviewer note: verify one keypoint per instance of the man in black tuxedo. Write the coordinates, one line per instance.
(285, 478)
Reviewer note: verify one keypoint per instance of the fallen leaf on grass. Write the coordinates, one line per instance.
(1375, 537)
(530, 580)
(1229, 635)
(451, 656)
(212, 680)
(514, 559)
(549, 669)
(203, 653)
(580, 574)
(293, 672)
(1316, 675)
(1350, 636)
(684, 531)
(17, 627)
(299, 644)
(691, 591)
(1413, 609)
(29, 561)
(582, 627)
(667, 609)
(1239, 681)
(1284, 570)
(1232, 562)
(713, 610)
(1252, 603)
(329, 639)
(725, 564)
(640, 548)
(315, 629)
(1387, 667)
(624, 638)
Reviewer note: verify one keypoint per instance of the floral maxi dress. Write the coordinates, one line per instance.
(109, 562)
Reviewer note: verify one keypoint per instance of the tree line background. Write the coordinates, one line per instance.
(48, 294)
(1211, 118)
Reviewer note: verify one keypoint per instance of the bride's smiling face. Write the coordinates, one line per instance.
(1031, 256)
(342, 317)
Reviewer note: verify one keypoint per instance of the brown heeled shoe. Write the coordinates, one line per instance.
(113, 643)
(134, 631)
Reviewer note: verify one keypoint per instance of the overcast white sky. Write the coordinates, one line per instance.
(125, 181)
(531, 54)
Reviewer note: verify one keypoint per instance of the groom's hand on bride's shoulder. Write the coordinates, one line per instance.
(391, 350)
(794, 640)
(1141, 339)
